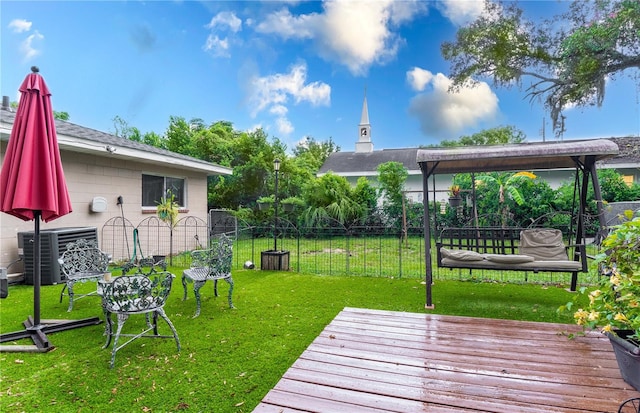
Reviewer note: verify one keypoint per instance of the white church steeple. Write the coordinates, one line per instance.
(364, 143)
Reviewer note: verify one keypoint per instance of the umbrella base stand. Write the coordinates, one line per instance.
(38, 334)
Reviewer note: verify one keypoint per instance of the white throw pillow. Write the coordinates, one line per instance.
(461, 255)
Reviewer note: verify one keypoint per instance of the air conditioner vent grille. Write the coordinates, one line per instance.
(53, 243)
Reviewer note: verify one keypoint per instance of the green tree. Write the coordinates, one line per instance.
(253, 174)
(153, 139)
(507, 186)
(56, 114)
(539, 197)
(134, 134)
(61, 115)
(311, 154)
(567, 58)
(331, 197)
(123, 130)
(391, 179)
(365, 195)
(178, 136)
(215, 143)
(613, 187)
(492, 136)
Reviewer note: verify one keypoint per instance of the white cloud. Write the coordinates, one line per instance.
(218, 47)
(255, 127)
(461, 12)
(275, 92)
(356, 34)
(279, 88)
(225, 20)
(288, 26)
(20, 25)
(28, 47)
(278, 110)
(284, 126)
(443, 113)
(221, 22)
(419, 78)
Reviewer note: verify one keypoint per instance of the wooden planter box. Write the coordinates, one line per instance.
(274, 260)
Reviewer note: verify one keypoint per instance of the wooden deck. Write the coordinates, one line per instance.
(383, 361)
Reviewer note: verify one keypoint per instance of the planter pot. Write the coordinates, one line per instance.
(157, 259)
(263, 206)
(274, 260)
(455, 201)
(627, 356)
(287, 207)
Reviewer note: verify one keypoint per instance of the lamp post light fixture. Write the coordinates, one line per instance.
(276, 167)
(275, 260)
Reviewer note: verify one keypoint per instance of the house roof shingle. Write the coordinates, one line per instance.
(629, 151)
(78, 138)
(364, 164)
(358, 163)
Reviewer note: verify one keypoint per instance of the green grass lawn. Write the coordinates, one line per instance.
(230, 359)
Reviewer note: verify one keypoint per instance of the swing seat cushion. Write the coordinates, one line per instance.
(509, 259)
(461, 255)
(515, 249)
(543, 244)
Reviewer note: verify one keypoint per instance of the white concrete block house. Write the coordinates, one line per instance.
(364, 161)
(100, 165)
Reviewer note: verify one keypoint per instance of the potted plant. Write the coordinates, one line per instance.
(454, 196)
(289, 204)
(167, 209)
(614, 306)
(265, 202)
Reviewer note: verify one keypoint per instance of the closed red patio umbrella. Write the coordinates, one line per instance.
(33, 187)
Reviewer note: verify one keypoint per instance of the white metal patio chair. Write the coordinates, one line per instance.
(210, 264)
(136, 294)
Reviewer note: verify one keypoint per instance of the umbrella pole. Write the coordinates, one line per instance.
(33, 326)
(37, 271)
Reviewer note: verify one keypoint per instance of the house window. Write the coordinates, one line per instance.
(155, 187)
(628, 179)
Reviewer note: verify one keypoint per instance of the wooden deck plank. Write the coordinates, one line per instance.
(506, 349)
(479, 398)
(374, 368)
(435, 355)
(480, 388)
(383, 361)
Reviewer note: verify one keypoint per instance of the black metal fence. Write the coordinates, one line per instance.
(370, 252)
(331, 249)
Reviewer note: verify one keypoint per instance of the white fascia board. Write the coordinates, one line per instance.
(82, 145)
(350, 174)
(605, 165)
(367, 173)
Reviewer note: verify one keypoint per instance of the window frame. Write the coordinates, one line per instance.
(183, 198)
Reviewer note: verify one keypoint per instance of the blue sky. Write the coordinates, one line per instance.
(294, 68)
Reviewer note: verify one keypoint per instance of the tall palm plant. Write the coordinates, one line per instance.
(508, 185)
(331, 197)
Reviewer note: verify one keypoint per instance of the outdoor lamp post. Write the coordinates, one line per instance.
(276, 167)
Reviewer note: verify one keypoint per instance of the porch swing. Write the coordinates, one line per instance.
(513, 249)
